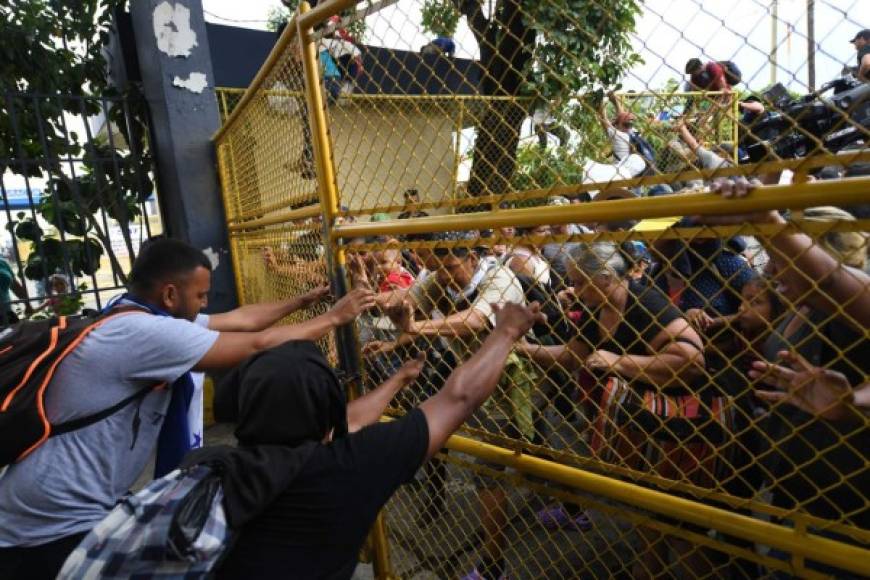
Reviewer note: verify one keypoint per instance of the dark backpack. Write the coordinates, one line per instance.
(30, 353)
(175, 527)
(732, 72)
(642, 147)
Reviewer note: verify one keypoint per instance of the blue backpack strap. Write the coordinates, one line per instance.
(173, 442)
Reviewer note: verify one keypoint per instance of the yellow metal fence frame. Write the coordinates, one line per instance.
(797, 540)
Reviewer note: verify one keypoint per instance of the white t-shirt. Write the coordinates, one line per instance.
(497, 286)
(595, 172)
(338, 48)
(620, 142)
(73, 480)
(538, 266)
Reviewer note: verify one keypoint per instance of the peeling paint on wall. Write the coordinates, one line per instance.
(213, 257)
(195, 83)
(172, 29)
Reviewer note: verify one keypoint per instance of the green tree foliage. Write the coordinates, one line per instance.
(537, 169)
(49, 47)
(51, 50)
(582, 46)
(278, 15)
(440, 18)
(549, 51)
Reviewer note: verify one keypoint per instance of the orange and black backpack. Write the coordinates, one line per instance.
(30, 352)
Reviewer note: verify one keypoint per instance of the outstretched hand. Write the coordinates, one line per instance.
(516, 320)
(736, 188)
(357, 268)
(699, 319)
(378, 347)
(817, 391)
(352, 305)
(314, 296)
(410, 370)
(602, 360)
(401, 315)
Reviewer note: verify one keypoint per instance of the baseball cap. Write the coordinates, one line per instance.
(865, 34)
(659, 189)
(624, 117)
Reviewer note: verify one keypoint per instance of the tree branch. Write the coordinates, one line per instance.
(477, 22)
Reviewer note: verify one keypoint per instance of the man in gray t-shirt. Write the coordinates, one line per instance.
(53, 496)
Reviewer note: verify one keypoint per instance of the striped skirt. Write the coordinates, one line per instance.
(679, 437)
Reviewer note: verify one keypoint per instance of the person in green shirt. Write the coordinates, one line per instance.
(9, 282)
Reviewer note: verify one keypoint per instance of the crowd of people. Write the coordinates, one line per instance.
(665, 347)
(736, 365)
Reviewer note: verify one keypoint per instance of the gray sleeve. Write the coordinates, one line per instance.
(160, 348)
(421, 294)
(710, 160)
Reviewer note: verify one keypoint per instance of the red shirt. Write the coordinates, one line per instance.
(712, 78)
(398, 279)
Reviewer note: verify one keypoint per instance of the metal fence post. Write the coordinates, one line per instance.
(328, 192)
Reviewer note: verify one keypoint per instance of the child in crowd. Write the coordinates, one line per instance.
(735, 342)
(392, 275)
(382, 269)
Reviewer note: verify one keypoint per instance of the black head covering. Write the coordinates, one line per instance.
(283, 396)
(284, 401)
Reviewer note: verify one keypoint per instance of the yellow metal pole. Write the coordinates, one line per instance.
(324, 10)
(735, 125)
(839, 159)
(381, 549)
(810, 546)
(794, 196)
(308, 211)
(317, 120)
(279, 205)
(234, 242)
(329, 204)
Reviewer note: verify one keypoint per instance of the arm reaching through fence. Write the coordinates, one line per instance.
(816, 390)
(803, 267)
(368, 408)
(475, 380)
(256, 317)
(232, 348)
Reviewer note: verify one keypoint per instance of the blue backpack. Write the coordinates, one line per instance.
(642, 147)
(174, 528)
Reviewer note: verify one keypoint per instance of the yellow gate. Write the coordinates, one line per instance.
(628, 437)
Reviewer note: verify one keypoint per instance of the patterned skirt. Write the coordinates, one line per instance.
(678, 437)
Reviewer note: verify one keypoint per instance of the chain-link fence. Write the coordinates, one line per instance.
(693, 406)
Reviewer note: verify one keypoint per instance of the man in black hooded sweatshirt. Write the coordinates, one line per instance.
(311, 473)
